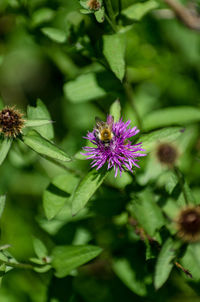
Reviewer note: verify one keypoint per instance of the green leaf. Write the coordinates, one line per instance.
(191, 260)
(39, 248)
(128, 275)
(115, 110)
(147, 212)
(138, 10)
(150, 140)
(5, 145)
(44, 147)
(171, 116)
(42, 269)
(55, 34)
(40, 114)
(84, 88)
(100, 15)
(164, 263)
(67, 258)
(114, 52)
(86, 188)
(2, 204)
(37, 123)
(42, 15)
(57, 194)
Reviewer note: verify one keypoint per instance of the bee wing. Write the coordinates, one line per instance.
(99, 122)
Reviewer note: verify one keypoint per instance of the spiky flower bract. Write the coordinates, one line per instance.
(120, 153)
(188, 223)
(11, 122)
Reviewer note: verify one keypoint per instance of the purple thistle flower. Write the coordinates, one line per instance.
(119, 153)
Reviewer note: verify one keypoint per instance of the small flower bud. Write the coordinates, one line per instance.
(94, 4)
(11, 122)
(188, 224)
(167, 154)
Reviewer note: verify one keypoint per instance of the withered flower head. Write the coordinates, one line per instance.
(94, 4)
(188, 224)
(11, 122)
(167, 154)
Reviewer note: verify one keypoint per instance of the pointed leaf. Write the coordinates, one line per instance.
(147, 213)
(39, 248)
(38, 114)
(114, 52)
(150, 140)
(164, 263)
(128, 275)
(84, 88)
(171, 116)
(86, 188)
(5, 145)
(44, 147)
(115, 110)
(138, 10)
(2, 204)
(37, 123)
(67, 258)
(55, 34)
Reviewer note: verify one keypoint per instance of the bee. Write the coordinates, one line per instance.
(103, 130)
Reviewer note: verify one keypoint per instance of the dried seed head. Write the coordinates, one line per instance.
(167, 154)
(11, 122)
(94, 4)
(188, 224)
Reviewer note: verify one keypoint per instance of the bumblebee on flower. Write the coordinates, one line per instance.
(112, 145)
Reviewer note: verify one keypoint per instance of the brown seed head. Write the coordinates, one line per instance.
(188, 224)
(11, 122)
(167, 154)
(94, 4)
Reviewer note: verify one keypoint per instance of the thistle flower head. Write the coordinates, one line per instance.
(188, 224)
(11, 122)
(117, 152)
(167, 154)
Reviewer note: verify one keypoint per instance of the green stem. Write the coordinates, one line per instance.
(181, 182)
(119, 7)
(129, 94)
(110, 16)
(17, 265)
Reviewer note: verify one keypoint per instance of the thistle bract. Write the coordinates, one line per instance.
(120, 153)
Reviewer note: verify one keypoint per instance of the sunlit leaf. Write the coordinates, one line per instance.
(115, 110)
(114, 51)
(37, 115)
(138, 10)
(67, 258)
(128, 275)
(55, 34)
(44, 147)
(2, 204)
(164, 263)
(86, 188)
(171, 116)
(5, 145)
(147, 213)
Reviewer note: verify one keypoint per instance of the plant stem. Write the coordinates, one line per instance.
(129, 94)
(110, 16)
(17, 265)
(114, 28)
(181, 182)
(119, 7)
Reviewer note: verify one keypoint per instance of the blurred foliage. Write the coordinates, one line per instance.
(67, 62)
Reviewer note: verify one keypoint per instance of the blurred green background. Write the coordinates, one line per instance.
(66, 69)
